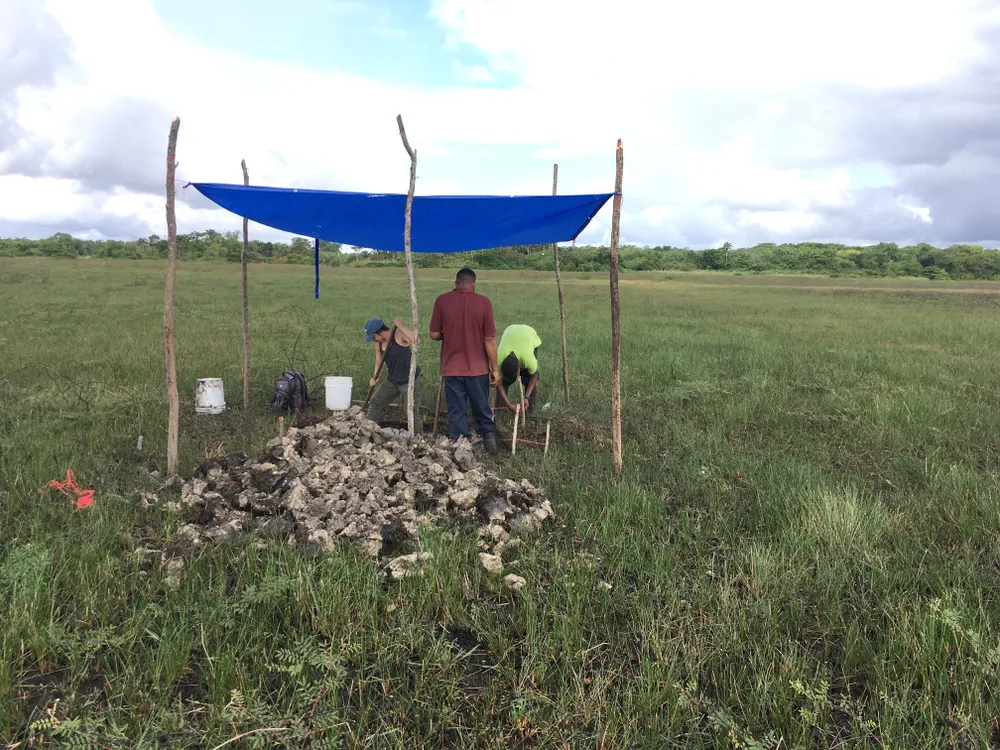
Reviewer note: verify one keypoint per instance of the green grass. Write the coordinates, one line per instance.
(802, 547)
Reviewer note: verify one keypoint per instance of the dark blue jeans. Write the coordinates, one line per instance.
(475, 391)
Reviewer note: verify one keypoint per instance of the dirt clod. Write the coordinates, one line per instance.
(514, 582)
(492, 563)
(174, 572)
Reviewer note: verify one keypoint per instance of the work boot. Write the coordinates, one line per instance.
(491, 444)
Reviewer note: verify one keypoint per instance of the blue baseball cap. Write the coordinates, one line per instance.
(372, 327)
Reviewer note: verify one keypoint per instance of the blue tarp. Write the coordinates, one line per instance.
(440, 224)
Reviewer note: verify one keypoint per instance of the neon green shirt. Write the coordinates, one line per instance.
(522, 340)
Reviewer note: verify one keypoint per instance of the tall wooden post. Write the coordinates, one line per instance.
(170, 349)
(412, 410)
(562, 307)
(246, 312)
(616, 330)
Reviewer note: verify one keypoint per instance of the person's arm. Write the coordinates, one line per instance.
(506, 401)
(408, 336)
(436, 330)
(491, 354)
(530, 364)
(531, 386)
(490, 338)
(378, 362)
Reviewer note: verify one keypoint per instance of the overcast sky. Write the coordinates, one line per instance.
(773, 120)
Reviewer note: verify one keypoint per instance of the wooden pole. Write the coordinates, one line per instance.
(170, 349)
(616, 330)
(548, 427)
(246, 311)
(562, 307)
(520, 390)
(437, 409)
(411, 407)
(281, 427)
(513, 443)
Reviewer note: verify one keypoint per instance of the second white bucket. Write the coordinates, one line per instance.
(209, 397)
(338, 393)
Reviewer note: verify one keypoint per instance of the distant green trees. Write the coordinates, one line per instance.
(884, 259)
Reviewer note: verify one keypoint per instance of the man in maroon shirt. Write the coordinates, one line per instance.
(463, 322)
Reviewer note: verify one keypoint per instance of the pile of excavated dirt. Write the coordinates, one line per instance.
(347, 478)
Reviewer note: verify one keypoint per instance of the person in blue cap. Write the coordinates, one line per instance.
(393, 347)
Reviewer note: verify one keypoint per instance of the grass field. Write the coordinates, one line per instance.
(803, 549)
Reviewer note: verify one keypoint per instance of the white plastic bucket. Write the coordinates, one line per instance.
(338, 393)
(209, 398)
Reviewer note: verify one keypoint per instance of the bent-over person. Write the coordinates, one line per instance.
(394, 348)
(518, 357)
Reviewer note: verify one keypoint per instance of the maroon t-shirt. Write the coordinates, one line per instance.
(465, 320)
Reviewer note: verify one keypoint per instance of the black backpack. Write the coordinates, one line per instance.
(290, 392)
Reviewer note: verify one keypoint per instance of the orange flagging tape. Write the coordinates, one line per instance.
(84, 498)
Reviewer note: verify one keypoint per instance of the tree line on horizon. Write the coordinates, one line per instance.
(959, 262)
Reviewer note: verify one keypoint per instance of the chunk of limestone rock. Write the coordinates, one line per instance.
(492, 563)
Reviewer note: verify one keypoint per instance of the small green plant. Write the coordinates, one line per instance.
(816, 707)
(984, 656)
(78, 734)
(721, 721)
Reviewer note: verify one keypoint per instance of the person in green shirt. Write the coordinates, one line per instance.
(517, 354)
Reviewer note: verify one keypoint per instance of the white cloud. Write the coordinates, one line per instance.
(473, 73)
(921, 212)
(42, 200)
(770, 108)
(779, 223)
(722, 44)
(703, 92)
(716, 102)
